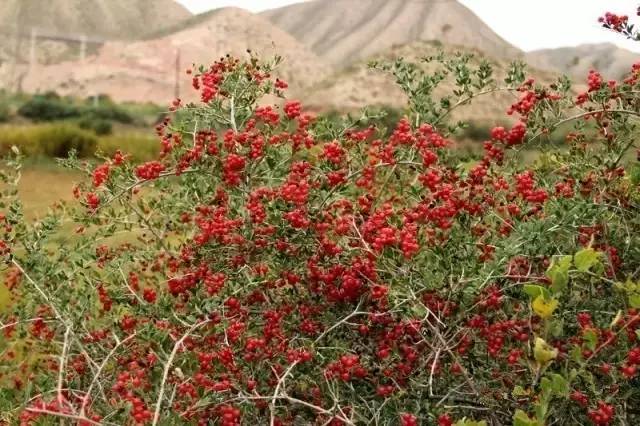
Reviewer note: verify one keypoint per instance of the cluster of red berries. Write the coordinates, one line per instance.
(92, 200)
(594, 81)
(512, 137)
(347, 367)
(292, 109)
(602, 415)
(150, 170)
(208, 83)
(101, 174)
(613, 21)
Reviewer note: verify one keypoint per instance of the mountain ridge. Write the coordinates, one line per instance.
(144, 70)
(358, 86)
(609, 59)
(113, 19)
(345, 31)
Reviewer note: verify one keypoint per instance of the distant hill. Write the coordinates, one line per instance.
(612, 61)
(345, 31)
(111, 19)
(94, 19)
(325, 45)
(145, 70)
(358, 86)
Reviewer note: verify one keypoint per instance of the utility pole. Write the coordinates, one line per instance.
(13, 73)
(32, 49)
(176, 92)
(17, 74)
(83, 47)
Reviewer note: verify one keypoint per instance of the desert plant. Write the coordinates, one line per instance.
(289, 271)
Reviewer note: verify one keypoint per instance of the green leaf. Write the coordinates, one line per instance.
(519, 391)
(564, 262)
(590, 338)
(573, 374)
(536, 290)
(585, 259)
(558, 273)
(634, 174)
(465, 422)
(541, 410)
(520, 418)
(545, 385)
(559, 385)
(634, 301)
(419, 310)
(556, 328)
(576, 354)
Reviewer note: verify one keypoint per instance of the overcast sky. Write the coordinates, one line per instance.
(528, 24)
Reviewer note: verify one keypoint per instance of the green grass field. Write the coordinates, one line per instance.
(43, 184)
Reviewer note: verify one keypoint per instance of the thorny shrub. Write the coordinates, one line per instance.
(290, 270)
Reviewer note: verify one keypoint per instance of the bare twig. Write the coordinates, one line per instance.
(64, 416)
(167, 367)
(63, 363)
(96, 376)
(272, 406)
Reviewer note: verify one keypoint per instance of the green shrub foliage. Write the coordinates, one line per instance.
(48, 107)
(93, 115)
(295, 270)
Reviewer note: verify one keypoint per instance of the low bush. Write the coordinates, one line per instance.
(49, 140)
(5, 112)
(48, 107)
(108, 111)
(52, 107)
(383, 283)
(99, 126)
(143, 113)
(477, 131)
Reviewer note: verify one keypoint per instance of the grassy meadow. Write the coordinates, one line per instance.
(47, 126)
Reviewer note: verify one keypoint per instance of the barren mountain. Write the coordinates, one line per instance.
(345, 31)
(359, 86)
(145, 70)
(112, 19)
(612, 61)
(57, 22)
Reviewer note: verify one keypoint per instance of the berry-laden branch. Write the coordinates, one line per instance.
(620, 24)
(276, 267)
(167, 367)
